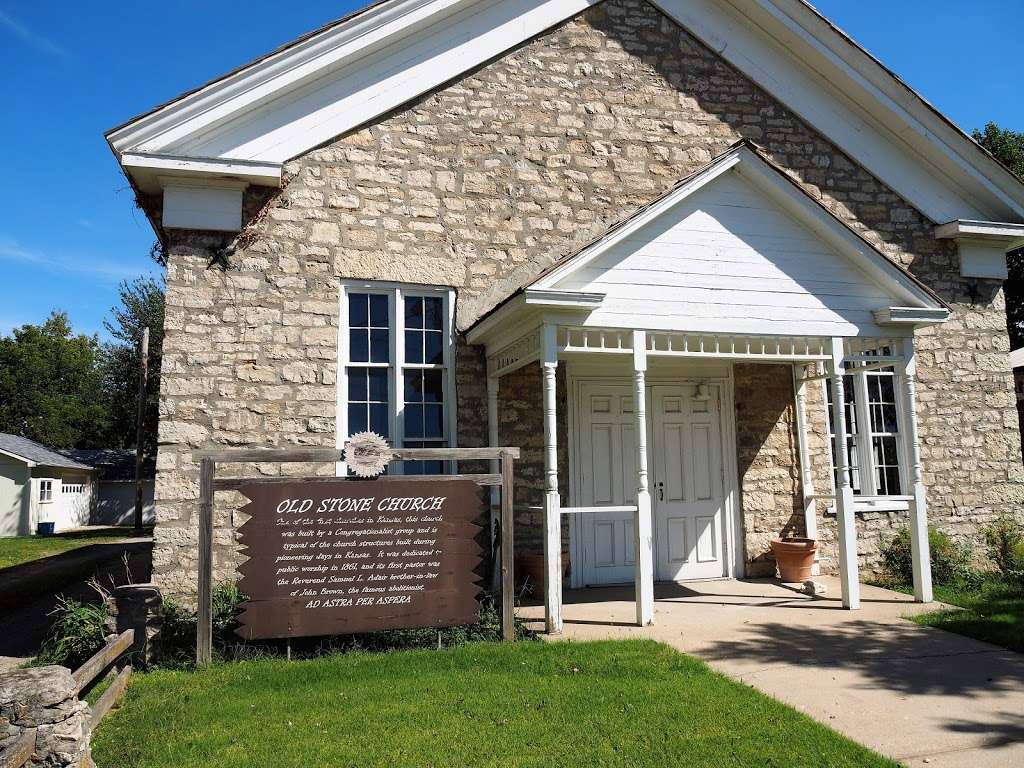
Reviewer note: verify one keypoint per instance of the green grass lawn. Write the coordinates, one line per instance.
(992, 611)
(531, 704)
(23, 549)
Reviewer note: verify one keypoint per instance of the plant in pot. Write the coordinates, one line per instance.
(795, 557)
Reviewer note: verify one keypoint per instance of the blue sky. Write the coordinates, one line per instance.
(69, 231)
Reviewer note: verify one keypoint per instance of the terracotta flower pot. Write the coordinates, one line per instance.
(795, 558)
(530, 570)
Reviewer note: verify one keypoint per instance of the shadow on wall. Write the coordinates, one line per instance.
(767, 460)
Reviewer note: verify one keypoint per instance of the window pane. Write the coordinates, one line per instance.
(413, 420)
(433, 420)
(378, 385)
(433, 387)
(358, 310)
(433, 350)
(413, 312)
(357, 418)
(413, 386)
(359, 346)
(414, 346)
(380, 345)
(357, 391)
(433, 313)
(379, 311)
(379, 419)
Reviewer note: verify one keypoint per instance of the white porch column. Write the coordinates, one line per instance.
(848, 568)
(492, 441)
(806, 475)
(552, 504)
(920, 552)
(643, 543)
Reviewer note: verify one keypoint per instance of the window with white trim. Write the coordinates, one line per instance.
(72, 488)
(396, 373)
(873, 417)
(45, 491)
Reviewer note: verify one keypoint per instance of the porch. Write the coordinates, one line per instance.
(909, 692)
(733, 265)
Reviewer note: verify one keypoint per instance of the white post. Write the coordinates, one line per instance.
(806, 475)
(492, 440)
(552, 504)
(643, 541)
(848, 568)
(919, 503)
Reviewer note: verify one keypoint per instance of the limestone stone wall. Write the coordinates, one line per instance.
(479, 185)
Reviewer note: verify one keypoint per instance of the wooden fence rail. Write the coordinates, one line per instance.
(87, 674)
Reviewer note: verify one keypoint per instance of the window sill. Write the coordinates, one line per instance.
(875, 504)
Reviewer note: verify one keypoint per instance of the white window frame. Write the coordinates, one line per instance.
(396, 293)
(46, 483)
(869, 499)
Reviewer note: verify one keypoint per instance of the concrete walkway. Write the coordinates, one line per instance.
(916, 694)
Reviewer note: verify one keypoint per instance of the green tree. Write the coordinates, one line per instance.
(51, 385)
(1008, 148)
(142, 305)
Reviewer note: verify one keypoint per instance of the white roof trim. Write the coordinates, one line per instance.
(533, 303)
(783, 45)
(149, 169)
(911, 316)
(28, 462)
(793, 199)
(1009, 236)
(1017, 358)
(795, 54)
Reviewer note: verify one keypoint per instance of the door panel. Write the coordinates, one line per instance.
(607, 468)
(688, 495)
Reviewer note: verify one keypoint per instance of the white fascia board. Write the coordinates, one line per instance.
(594, 250)
(351, 74)
(538, 297)
(910, 316)
(799, 69)
(19, 458)
(148, 166)
(1009, 235)
(273, 74)
(530, 308)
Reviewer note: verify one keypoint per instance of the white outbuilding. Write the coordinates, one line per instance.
(40, 485)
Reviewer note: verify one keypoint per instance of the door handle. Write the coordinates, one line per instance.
(661, 490)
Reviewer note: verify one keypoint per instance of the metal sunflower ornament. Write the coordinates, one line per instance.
(367, 454)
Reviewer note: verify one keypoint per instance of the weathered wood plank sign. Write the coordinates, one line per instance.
(357, 556)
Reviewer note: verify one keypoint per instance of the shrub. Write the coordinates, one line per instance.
(1004, 540)
(77, 632)
(950, 561)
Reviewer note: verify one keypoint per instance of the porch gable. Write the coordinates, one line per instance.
(738, 248)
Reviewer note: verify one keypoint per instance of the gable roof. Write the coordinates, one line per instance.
(245, 124)
(113, 465)
(34, 453)
(747, 157)
(914, 302)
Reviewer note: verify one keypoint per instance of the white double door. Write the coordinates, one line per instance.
(686, 482)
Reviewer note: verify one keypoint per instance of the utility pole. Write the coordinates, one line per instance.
(140, 418)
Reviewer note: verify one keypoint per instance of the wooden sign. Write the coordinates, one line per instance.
(343, 557)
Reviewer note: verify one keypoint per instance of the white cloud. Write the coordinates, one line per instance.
(40, 43)
(106, 271)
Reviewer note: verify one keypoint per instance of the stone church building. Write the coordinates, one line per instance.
(679, 252)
